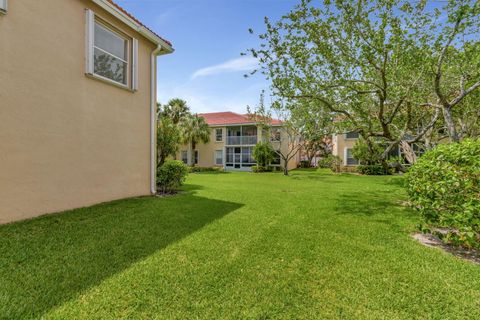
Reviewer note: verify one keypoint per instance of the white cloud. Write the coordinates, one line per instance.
(246, 63)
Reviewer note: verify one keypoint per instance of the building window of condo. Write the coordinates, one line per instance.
(350, 160)
(3, 6)
(185, 156)
(218, 157)
(275, 134)
(111, 55)
(218, 135)
(351, 135)
(196, 157)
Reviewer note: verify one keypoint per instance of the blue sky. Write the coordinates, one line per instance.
(206, 68)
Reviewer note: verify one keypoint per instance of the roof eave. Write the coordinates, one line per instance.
(110, 8)
(241, 124)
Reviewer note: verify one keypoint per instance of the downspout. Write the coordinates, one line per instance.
(153, 120)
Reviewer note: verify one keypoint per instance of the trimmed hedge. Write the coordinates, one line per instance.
(171, 175)
(204, 169)
(444, 186)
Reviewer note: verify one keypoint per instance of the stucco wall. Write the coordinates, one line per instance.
(66, 140)
(206, 150)
(339, 145)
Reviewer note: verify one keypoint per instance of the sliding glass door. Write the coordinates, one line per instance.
(239, 158)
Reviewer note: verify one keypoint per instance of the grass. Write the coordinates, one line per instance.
(237, 246)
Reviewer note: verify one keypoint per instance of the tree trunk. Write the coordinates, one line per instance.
(407, 150)
(452, 131)
(285, 170)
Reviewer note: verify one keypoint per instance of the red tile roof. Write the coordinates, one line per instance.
(229, 118)
(136, 20)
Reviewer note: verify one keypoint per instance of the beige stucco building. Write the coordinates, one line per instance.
(232, 139)
(77, 104)
(342, 146)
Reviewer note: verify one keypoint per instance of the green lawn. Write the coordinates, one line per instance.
(237, 246)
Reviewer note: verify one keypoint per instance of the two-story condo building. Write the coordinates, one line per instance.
(233, 137)
(77, 104)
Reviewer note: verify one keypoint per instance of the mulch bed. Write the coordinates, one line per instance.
(431, 240)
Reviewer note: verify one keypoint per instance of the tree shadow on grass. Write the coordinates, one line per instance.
(369, 204)
(49, 260)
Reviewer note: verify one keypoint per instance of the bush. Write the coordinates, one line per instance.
(373, 170)
(363, 154)
(444, 185)
(171, 175)
(204, 169)
(332, 162)
(259, 168)
(263, 153)
(305, 164)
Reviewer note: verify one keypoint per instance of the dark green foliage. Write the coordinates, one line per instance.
(367, 154)
(168, 139)
(305, 164)
(171, 176)
(263, 153)
(373, 170)
(444, 185)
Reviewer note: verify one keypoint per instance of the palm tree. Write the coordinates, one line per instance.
(176, 109)
(194, 129)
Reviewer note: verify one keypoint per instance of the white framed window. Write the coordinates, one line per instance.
(110, 55)
(219, 135)
(184, 156)
(275, 134)
(3, 6)
(349, 159)
(276, 160)
(219, 157)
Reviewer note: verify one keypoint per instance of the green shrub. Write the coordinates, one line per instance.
(171, 175)
(305, 164)
(444, 185)
(373, 170)
(258, 169)
(332, 162)
(204, 169)
(263, 153)
(363, 154)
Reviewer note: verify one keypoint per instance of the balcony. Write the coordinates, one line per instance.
(241, 140)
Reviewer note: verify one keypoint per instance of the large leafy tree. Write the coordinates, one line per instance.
(456, 65)
(368, 63)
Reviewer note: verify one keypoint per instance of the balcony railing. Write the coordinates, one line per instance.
(241, 140)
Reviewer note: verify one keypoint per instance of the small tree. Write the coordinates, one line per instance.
(168, 139)
(194, 129)
(263, 153)
(290, 142)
